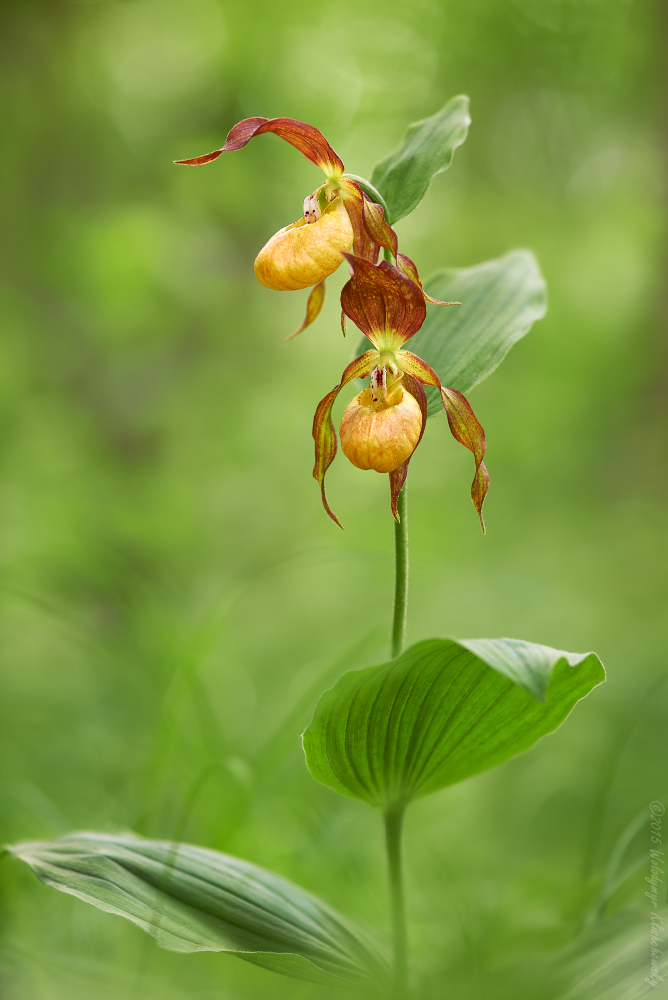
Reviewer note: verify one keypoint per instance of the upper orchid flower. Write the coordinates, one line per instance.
(338, 216)
(383, 425)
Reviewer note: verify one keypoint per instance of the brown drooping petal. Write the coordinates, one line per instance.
(407, 267)
(315, 303)
(376, 226)
(464, 426)
(324, 434)
(353, 198)
(398, 476)
(368, 219)
(380, 300)
(306, 138)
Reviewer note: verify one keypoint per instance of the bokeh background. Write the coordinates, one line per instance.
(173, 598)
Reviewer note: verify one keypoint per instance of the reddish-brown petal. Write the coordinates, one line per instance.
(368, 219)
(315, 303)
(353, 199)
(324, 434)
(465, 428)
(398, 476)
(407, 267)
(379, 299)
(306, 138)
(419, 369)
(376, 226)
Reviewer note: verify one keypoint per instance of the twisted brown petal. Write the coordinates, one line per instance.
(315, 303)
(324, 434)
(376, 226)
(306, 138)
(464, 426)
(368, 219)
(379, 299)
(353, 198)
(398, 476)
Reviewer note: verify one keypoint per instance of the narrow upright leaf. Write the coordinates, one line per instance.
(426, 149)
(442, 711)
(500, 300)
(193, 899)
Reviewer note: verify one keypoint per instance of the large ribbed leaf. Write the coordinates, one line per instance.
(440, 712)
(427, 148)
(193, 899)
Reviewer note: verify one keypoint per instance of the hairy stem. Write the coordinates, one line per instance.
(400, 575)
(394, 819)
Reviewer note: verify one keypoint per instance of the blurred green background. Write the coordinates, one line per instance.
(173, 598)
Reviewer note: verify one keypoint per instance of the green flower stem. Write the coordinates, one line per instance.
(400, 575)
(394, 820)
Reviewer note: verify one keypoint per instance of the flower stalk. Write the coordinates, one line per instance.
(394, 822)
(400, 575)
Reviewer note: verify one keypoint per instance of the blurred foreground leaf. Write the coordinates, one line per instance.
(611, 960)
(440, 712)
(427, 148)
(193, 899)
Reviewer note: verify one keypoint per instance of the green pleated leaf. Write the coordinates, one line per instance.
(426, 149)
(440, 712)
(193, 899)
(500, 300)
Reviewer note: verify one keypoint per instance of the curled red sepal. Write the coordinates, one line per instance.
(407, 267)
(398, 476)
(380, 300)
(315, 303)
(324, 434)
(464, 426)
(306, 138)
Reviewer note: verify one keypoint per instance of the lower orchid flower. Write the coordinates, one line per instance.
(338, 217)
(383, 425)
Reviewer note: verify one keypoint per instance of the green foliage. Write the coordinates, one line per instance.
(192, 899)
(441, 712)
(427, 149)
(500, 301)
(174, 599)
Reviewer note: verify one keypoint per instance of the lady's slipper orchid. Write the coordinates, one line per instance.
(383, 425)
(338, 217)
